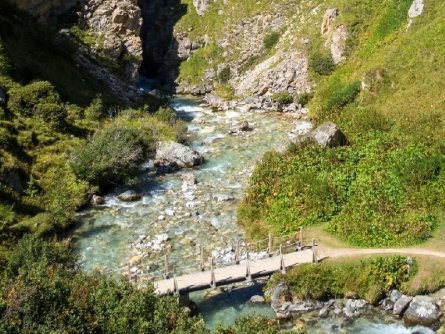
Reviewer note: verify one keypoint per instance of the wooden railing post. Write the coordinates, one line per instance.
(282, 264)
(237, 252)
(175, 282)
(248, 273)
(314, 252)
(212, 274)
(301, 236)
(201, 259)
(270, 245)
(166, 266)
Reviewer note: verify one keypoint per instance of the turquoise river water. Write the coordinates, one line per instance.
(178, 218)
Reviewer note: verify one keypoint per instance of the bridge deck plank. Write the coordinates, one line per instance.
(233, 273)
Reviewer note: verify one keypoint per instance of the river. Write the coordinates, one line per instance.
(178, 217)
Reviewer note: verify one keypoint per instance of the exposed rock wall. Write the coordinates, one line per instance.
(119, 22)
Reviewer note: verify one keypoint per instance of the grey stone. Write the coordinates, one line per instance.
(223, 197)
(395, 295)
(328, 135)
(280, 294)
(97, 200)
(401, 305)
(129, 196)
(422, 310)
(354, 307)
(177, 155)
(324, 312)
(242, 127)
(257, 299)
(328, 20)
(387, 304)
(200, 6)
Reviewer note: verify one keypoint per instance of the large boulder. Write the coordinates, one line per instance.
(401, 305)
(200, 6)
(177, 155)
(280, 295)
(328, 135)
(354, 307)
(129, 196)
(422, 310)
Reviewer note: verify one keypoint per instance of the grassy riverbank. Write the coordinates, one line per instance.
(384, 188)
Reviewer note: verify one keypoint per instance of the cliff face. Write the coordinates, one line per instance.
(118, 22)
(44, 9)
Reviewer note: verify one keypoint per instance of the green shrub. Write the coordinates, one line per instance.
(44, 292)
(225, 75)
(304, 98)
(369, 279)
(321, 63)
(113, 155)
(7, 216)
(95, 110)
(253, 324)
(282, 98)
(270, 40)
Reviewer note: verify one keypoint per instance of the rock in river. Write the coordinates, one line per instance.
(129, 196)
(423, 310)
(177, 155)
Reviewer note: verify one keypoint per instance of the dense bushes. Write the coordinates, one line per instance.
(225, 75)
(42, 292)
(112, 156)
(282, 98)
(378, 194)
(369, 279)
(321, 63)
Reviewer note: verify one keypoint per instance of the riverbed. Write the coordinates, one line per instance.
(178, 218)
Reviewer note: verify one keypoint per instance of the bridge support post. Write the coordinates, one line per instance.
(237, 252)
(314, 252)
(270, 245)
(282, 265)
(212, 274)
(201, 259)
(248, 273)
(166, 267)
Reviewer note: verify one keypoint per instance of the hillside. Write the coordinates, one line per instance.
(366, 66)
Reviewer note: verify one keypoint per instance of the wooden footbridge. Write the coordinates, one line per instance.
(278, 256)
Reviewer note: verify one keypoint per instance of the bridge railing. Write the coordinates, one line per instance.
(240, 253)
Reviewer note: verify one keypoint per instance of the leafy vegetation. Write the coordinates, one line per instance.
(384, 188)
(369, 279)
(321, 63)
(282, 98)
(43, 292)
(271, 39)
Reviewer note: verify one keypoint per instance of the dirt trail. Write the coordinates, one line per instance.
(324, 251)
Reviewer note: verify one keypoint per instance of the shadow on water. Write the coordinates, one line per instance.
(160, 64)
(228, 306)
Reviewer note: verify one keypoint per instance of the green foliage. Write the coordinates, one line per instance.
(270, 40)
(304, 98)
(282, 98)
(95, 110)
(369, 279)
(377, 194)
(42, 291)
(5, 65)
(113, 155)
(225, 75)
(321, 63)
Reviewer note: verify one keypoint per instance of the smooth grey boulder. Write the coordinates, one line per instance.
(395, 295)
(242, 127)
(129, 196)
(401, 305)
(257, 299)
(177, 155)
(422, 310)
(328, 135)
(354, 307)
